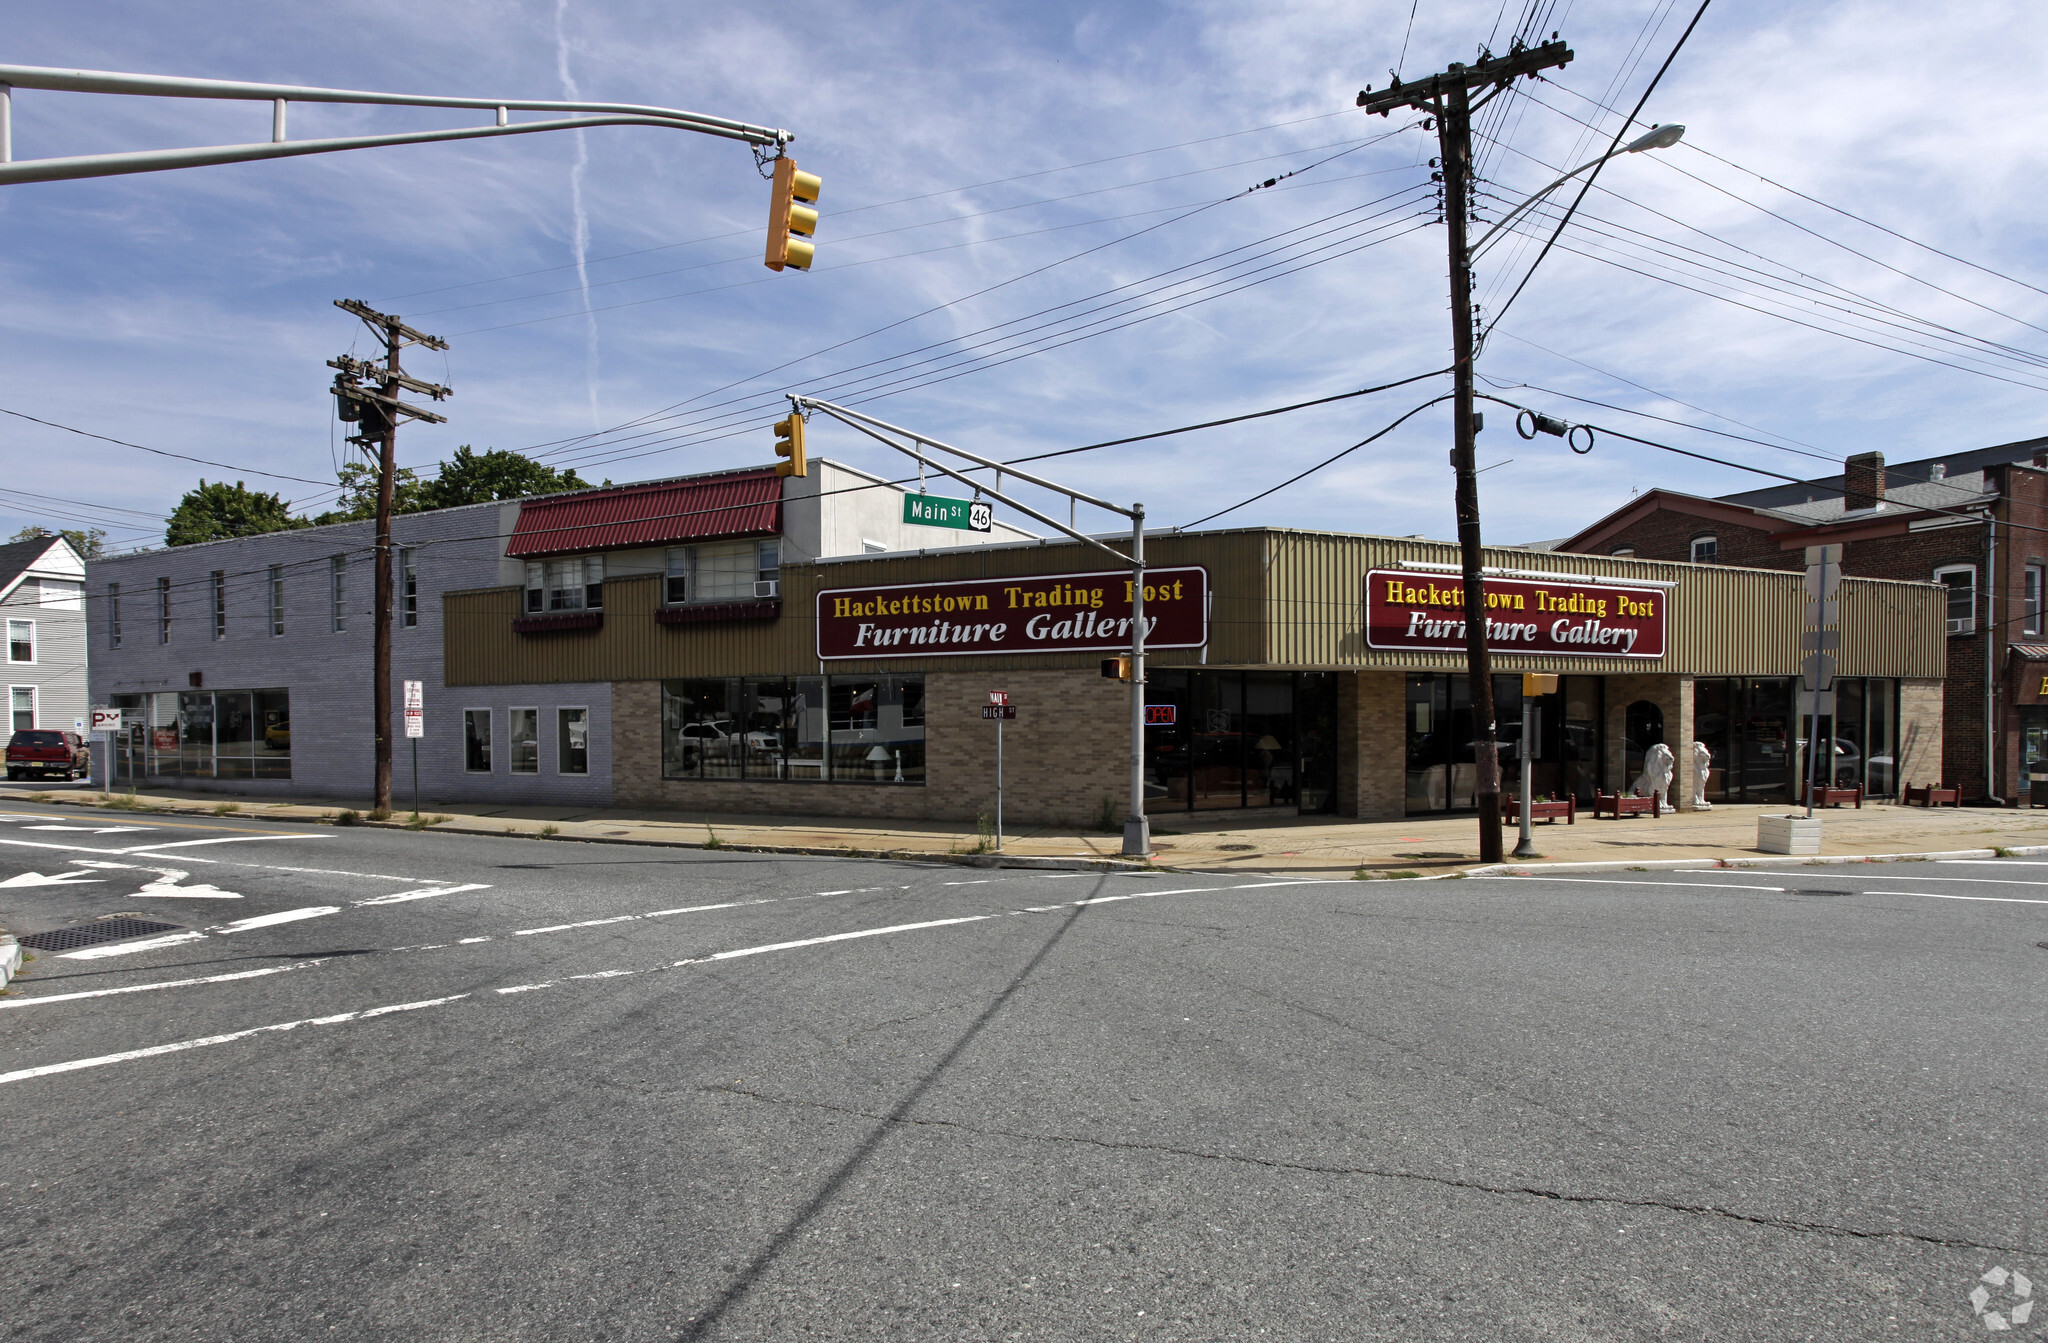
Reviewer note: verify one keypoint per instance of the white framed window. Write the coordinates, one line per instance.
(21, 641)
(725, 571)
(1623, 552)
(276, 600)
(113, 615)
(2037, 574)
(1961, 582)
(1704, 548)
(21, 704)
(408, 589)
(524, 757)
(220, 604)
(337, 578)
(476, 741)
(572, 584)
(572, 741)
(163, 610)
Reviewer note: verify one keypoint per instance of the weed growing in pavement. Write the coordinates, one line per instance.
(39, 797)
(1402, 875)
(1106, 819)
(550, 831)
(2004, 853)
(1366, 874)
(381, 814)
(984, 833)
(226, 808)
(1639, 869)
(121, 802)
(348, 816)
(711, 839)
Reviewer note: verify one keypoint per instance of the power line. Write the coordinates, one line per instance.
(203, 461)
(1378, 434)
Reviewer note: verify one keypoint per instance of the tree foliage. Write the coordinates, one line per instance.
(358, 481)
(219, 512)
(91, 543)
(482, 477)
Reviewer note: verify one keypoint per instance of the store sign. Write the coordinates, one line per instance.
(1423, 612)
(1057, 613)
(962, 515)
(1161, 715)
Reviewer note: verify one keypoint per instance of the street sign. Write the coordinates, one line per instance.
(415, 723)
(1161, 715)
(414, 698)
(999, 711)
(962, 515)
(998, 697)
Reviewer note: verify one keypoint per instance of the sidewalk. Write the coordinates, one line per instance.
(1235, 841)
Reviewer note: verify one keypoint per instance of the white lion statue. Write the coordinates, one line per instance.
(1658, 766)
(1702, 766)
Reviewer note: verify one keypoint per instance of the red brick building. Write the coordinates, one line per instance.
(1976, 522)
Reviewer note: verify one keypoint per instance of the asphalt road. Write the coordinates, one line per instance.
(379, 1085)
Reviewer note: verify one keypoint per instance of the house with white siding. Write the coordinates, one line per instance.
(41, 598)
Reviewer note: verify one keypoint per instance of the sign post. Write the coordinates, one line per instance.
(107, 721)
(1000, 709)
(1817, 647)
(415, 728)
(1534, 684)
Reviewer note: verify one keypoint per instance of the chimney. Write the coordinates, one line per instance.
(1863, 481)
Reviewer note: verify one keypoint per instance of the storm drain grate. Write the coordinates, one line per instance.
(1238, 848)
(100, 930)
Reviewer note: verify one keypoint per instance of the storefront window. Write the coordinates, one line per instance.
(234, 741)
(207, 734)
(864, 729)
(525, 741)
(1240, 739)
(476, 740)
(572, 741)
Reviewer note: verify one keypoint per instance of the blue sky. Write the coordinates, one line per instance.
(192, 311)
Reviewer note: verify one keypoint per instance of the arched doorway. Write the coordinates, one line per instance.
(1643, 727)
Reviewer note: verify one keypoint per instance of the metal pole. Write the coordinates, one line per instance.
(1454, 128)
(1527, 848)
(999, 785)
(1137, 830)
(415, 777)
(6, 124)
(1813, 734)
(387, 472)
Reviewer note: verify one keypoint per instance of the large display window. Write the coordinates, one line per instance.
(816, 729)
(1227, 739)
(1757, 729)
(205, 734)
(1567, 740)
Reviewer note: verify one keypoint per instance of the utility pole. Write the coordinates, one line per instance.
(1448, 97)
(378, 412)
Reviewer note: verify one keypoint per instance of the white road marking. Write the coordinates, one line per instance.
(1973, 881)
(1603, 881)
(321, 871)
(74, 1065)
(1938, 895)
(97, 830)
(982, 882)
(164, 884)
(425, 893)
(145, 988)
(60, 879)
(282, 916)
(833, 937)
(657, 914)
(123, 948)
(227, 839)
(1989, 862)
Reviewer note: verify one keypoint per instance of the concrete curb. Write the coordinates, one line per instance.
(10, 958)
(1761, 860)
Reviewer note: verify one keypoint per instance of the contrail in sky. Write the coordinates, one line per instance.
(582, 238)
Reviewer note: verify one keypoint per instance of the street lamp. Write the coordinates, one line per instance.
(1658, 137)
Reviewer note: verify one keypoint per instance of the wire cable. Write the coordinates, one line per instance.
(203, 461)
(1370, 438)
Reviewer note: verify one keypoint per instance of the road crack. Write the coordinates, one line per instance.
(1416, 1177)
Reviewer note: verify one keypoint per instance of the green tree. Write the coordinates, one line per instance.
(220, 511)
(480, 478)
(358, 501)
(91, 544)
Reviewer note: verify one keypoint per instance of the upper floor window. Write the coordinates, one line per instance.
(276, 600)
(113, 615)
(220, 604)
(1961, 582)
(572, 584)
(1704, 548)
(337, 577)
(725, 571)
(21, 641)
(2036, 574)
(408, 589)
(163, 610)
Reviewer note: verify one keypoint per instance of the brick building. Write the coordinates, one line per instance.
(1974, 522)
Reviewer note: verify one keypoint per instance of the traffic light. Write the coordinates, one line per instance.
(1117, 669)
(786, 217)
(789, 442)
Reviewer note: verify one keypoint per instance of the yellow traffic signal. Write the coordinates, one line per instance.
(789, 442)
(786, 218)
(1117, 669)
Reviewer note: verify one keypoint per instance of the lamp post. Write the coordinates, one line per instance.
(1658, 137)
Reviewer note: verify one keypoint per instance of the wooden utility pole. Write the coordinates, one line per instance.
(1448, 97)
(378, 412)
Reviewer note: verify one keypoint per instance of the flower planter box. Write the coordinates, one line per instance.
(1788, 834)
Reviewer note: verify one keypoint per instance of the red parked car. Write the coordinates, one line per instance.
(32, 752)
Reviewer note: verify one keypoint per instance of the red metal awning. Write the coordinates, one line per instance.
(738, 503)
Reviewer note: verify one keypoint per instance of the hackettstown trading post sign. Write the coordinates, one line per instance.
(1052, 613)
(1557, 618)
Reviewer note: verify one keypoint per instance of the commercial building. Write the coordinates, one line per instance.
(41, 580)
(1308, 672)
(1976, 523)
(245, 665)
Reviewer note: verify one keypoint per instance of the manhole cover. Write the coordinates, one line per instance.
(100, 930)
(1817, 891)
(1238, 847)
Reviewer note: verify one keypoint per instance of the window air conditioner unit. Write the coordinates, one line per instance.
(1965, 625)
(768, 587)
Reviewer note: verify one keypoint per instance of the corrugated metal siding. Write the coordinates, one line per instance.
(745, 503)
(1279, 599)
(1723, 621)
